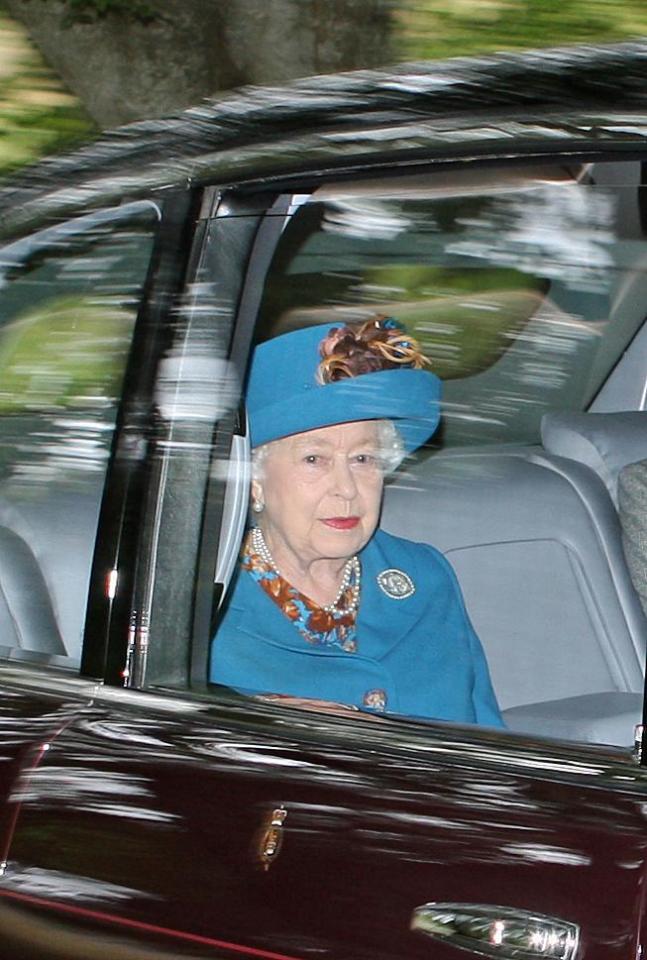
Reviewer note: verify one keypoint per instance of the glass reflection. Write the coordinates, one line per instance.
(66, 319)
(515, 282)
(69, 298)
(39, 882)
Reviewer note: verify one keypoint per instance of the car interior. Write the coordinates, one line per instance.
(519, 490)
(535, 540)
(527, 287)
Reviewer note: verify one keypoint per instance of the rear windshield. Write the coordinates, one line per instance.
(524, 286)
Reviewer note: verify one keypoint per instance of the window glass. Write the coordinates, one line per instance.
(68, 301)
(524, 286)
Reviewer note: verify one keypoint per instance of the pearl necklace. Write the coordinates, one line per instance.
(352, 573)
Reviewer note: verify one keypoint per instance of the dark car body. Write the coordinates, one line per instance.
(146, 813)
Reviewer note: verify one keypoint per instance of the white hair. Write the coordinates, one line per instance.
(392, 451)
(390, 446)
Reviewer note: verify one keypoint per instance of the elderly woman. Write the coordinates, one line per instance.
(327, 606)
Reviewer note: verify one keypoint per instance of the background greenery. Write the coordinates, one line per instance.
(38, 115)
(447, 28)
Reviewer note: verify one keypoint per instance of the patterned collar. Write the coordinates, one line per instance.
(317, 626)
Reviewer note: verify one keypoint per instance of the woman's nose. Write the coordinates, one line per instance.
(343, 479)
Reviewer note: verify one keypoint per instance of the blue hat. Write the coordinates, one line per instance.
(284, 396)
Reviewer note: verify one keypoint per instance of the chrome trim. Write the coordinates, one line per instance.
(494, 931)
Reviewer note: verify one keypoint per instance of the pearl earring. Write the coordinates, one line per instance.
(257, 506)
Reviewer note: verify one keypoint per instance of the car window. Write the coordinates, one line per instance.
(69, 298)
(524, 285)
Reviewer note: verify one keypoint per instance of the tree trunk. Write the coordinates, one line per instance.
(123, 70)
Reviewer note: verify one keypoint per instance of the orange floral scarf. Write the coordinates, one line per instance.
(317, 626)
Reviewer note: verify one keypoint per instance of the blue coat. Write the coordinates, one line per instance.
(420, 653)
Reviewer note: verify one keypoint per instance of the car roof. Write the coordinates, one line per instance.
(593, 96)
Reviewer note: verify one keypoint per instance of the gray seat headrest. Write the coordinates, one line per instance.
(26, 615)
(605, 442)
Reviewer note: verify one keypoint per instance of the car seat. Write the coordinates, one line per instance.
(535, 540)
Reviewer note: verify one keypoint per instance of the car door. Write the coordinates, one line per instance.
(202, 829)
(71, 293)
(75, 298)
(170, 818)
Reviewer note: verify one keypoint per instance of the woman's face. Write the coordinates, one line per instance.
(321, 492)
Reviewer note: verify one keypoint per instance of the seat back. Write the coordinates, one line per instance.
(56, 527)
(605, 442)
(536, 544)
(27, 620)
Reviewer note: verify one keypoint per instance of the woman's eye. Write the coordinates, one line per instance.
(368, 459)
(312, 458)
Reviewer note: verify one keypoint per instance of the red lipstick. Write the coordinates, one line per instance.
(341, 523)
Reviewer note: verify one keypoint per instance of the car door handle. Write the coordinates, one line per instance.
(494, 931)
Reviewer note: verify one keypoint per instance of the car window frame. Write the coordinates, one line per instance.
(283, 196)
(109, 613)
(226, 510)
(166, 636)
(18, 256)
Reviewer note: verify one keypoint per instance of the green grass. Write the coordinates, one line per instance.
(37, 115)
(448, 28)
(464, 319)
(54, 357)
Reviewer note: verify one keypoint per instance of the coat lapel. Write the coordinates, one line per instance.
(385, 619)
(260, 618)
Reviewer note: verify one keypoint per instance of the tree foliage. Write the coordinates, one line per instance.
(443, 28)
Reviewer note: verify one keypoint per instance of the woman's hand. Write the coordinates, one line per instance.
(306, 703)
